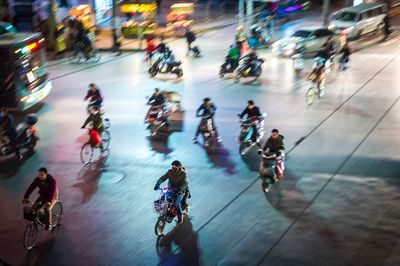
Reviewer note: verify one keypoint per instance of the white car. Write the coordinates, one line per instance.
(358, 20)
(311, 38)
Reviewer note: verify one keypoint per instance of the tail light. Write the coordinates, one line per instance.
(33, 130)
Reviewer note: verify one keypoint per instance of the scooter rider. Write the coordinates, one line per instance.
(168, 59)
(250, 60)
(178, 184)
(253, 113)
(275, 143)
(7, 121)
(157, 98)
(207, 108)
(317, 75)
(323, 53)
(94, 96)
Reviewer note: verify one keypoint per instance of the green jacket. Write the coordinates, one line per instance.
(176, 180)
(233, 53)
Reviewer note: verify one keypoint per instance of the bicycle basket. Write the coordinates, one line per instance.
(29, 213)
(160, 205)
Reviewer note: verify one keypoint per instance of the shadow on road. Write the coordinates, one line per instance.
(186, 240)
(159, 143)
(290, 201)
(89, 177)
(220, 157)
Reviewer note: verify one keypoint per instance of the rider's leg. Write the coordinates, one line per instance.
(47, 212)
(179, 198)
(197, 132)
(255, 133)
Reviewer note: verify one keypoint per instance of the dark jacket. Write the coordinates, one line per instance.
(157, 99)
(207, 110)
(97, 121)
(94, 95)
(161, 48)
(275, 145)
(255, 111)
(8, 125)
(47, 188)
(190, 37)
(176, 180)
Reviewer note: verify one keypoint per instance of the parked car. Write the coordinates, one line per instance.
(311, 39)
(358, 20)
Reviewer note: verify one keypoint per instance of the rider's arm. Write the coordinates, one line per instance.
(31, 188)
(88, 95)
(87, 120)
(201, 107)
(162, 179)
(245, 111)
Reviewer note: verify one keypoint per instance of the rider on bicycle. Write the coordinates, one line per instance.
(94, 96)
(207, 108)
(47, 194)
(97, 122)
(317, 74)
(178, 185)
(253, 113)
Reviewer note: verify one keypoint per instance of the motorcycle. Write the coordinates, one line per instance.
(246, 132)
(244, 69)
(207, 130)
(271, 169)
(158, 67)
(157, 116)
(166, 209)
(26, 136)
(227, 67)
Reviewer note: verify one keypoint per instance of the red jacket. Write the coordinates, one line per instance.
(47, 188)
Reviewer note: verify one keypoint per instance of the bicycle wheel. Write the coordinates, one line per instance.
(30, 235)
(87, 153)
(311, 95)
(105, 139)
(56, 214)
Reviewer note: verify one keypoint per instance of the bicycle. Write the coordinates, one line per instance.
(314, 92)
(34, 214)
(93, 56)
(89, 148)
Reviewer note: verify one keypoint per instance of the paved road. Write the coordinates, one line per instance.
(337, 205)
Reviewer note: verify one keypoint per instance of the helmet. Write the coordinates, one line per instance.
(176, 163)
(240, 28)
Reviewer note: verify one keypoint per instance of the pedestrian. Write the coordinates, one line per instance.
(116, 43)
(190, 38)
(150, 49)
(7, 121)
(387, 28)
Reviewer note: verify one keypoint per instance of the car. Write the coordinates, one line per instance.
(311, 38)
(358, 20)
(7, 28)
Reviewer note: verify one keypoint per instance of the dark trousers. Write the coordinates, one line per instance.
(13, 144)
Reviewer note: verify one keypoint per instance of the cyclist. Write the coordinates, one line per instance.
(317, 75)
(94, 96)
(97, 122)
(178, 185)
(47, 194)
(207, 108)
(253, 113)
